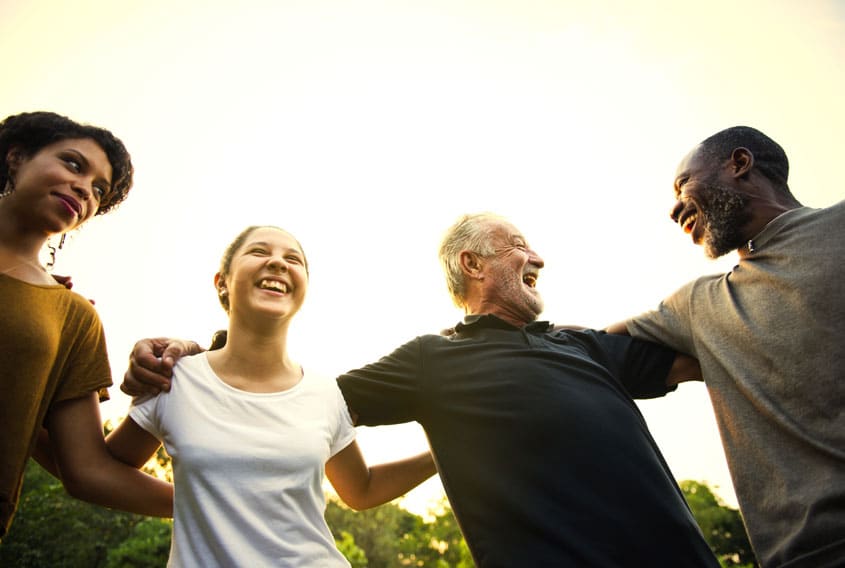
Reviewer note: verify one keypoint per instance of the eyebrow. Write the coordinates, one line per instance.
(675, 184)
(269, 245)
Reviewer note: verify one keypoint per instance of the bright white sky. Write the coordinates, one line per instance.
(367, 127)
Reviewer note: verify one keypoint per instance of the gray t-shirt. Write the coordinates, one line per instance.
(769, 337)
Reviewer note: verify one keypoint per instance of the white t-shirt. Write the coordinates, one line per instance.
(248, 468)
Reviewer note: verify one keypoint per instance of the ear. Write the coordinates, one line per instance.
(471, 264)
(219, 283)
(742, 162)
(14, 158)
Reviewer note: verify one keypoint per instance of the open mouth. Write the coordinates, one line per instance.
(273, 285)
(529, 279)
(687, 221)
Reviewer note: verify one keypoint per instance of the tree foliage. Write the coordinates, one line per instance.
(147, 546)
(722, 526)
(55, 530)
(391, 536)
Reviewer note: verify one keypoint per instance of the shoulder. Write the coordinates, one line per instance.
(681, 297)
(81, 304)
(591, 339)
(319, 382)
(834, 213)
(192, 364)
(835, 209)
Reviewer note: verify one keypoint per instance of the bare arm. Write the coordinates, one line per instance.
(362, 487)
(131, 444)
(684, 368)
(151, 364)
(619, 328)
(89, 471)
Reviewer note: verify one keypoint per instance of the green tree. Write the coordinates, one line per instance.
(53, 529)
(346, 544)
(438, 542)
(722, 526)
(376, 531)
(393, 537)
(148, 546)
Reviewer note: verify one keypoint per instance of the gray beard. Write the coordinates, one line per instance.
(724, 218)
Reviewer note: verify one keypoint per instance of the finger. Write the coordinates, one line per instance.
(133, 388)
(137, 381)
(175, 350)
(147, 354)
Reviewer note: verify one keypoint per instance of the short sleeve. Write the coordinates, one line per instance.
(345, 432)
(641, 366)
(145, 411)
(87, 367)
(669, 324)
(387, 391)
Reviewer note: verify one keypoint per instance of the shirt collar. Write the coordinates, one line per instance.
(491, 321)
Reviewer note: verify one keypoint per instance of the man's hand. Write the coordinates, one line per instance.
(67, 283)
(151, 364)
(63, 280)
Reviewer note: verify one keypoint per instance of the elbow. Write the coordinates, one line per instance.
(82, 483)
(356, 503)
(78, 486)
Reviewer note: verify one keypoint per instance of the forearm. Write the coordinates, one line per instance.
(115, 485)
(619, 328)
(391, 480)
(90, 472)
(684, 368)
(363, 487)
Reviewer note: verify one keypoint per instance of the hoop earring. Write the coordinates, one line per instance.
(53, 250)
(10, 185)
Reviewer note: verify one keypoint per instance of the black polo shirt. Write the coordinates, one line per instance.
(543, 454)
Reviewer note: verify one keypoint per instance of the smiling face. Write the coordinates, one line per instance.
(714, 213)
(59, 187)
(510, 276)
(267, 275)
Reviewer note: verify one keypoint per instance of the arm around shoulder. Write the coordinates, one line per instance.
(91, 473)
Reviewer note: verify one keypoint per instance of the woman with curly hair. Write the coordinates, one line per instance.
(55, 174)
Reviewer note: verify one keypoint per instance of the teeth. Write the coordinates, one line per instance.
(274, 285)
(689, 222)
(530, 280)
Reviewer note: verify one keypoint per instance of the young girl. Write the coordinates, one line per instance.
(251, 431)
(55, 174)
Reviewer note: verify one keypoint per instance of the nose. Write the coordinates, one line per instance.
(277, 262)
(675, 213)
(535, 259)
(83, 188)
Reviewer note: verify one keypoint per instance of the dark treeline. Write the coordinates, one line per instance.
(54, 530)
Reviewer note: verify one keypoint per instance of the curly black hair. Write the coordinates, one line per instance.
(29, 132)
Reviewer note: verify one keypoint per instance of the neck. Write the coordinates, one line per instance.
(256, 361)
(763, 212)
(16, 236)
(503, 315)
(20, 261)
